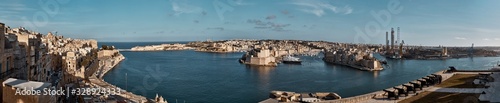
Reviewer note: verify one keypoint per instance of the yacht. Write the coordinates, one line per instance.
(291, 60)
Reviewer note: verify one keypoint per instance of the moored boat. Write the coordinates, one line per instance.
(291, 60)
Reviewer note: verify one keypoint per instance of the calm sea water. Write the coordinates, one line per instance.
(189, 76)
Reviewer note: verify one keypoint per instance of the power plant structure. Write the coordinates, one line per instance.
(386, 41)
(393, 51)
(392, 41)
(471, 50)
(397, 40)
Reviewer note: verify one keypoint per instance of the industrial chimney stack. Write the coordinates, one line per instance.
(386, 41)
(392, 40)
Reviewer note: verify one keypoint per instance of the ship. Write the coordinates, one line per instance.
(291, 60)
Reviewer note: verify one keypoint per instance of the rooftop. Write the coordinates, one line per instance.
(17, 83)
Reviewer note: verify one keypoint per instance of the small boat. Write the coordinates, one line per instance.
(291, 60)
(383, 62)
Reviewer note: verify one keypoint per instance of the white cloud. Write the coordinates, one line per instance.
(5, 12)
(348, 10)
(486, 39)
(318, 8)
(497, 38)
(23, 23)
(317, 12)
(485, 30)
(13, 8)
(460, 38)
(183, 8)
(239, 2)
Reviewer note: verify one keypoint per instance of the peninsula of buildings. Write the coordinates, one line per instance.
(30, 59)
(161, 47)
(353, 58)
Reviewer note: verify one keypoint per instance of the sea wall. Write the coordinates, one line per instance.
(106, 63)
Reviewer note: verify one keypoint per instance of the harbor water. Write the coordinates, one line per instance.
(199, 77)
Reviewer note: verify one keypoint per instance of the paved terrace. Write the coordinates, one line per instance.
(492, 93)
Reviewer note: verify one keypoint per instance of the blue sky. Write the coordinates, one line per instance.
(422, 22)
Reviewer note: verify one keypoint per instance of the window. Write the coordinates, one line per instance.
(1, 69)
(7, 66)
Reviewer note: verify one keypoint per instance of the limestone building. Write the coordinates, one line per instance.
(259, 57)
(10, 86)
(31, 43)
(6, 55)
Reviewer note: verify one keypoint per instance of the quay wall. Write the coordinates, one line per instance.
(109, 64)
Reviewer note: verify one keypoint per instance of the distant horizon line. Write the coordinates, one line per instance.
(277, 39)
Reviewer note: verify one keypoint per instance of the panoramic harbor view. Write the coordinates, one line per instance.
(250, 51)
